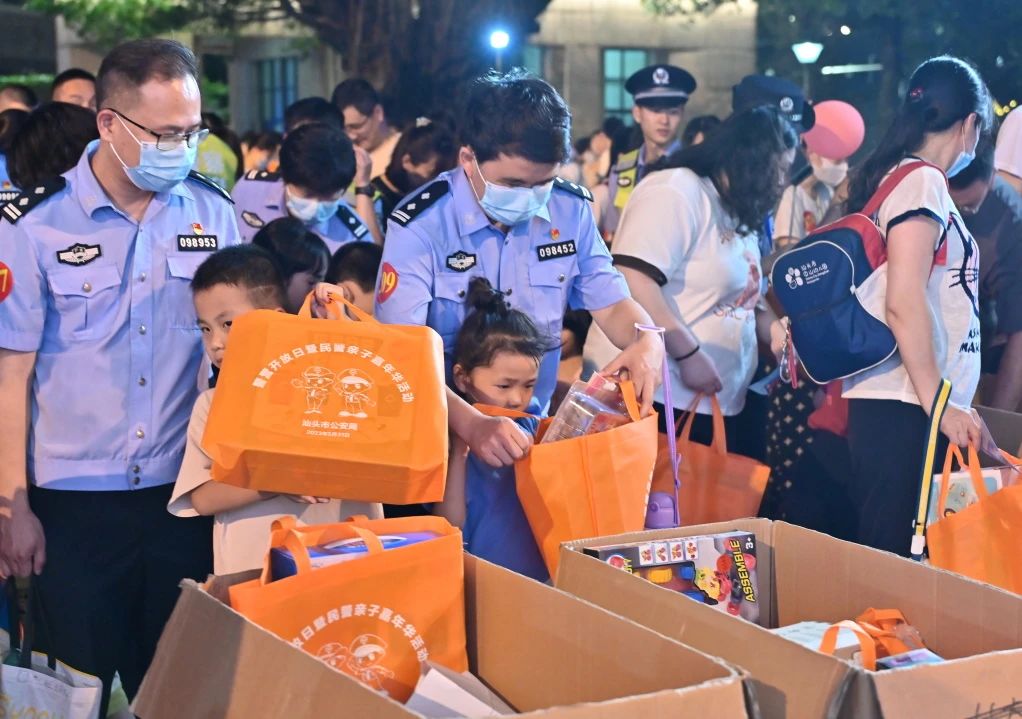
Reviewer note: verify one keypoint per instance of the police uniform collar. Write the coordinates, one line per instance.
(91, 195)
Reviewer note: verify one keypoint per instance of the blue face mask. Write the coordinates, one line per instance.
(511, 205)
(964, 160)
(309, 211)
(158, 170)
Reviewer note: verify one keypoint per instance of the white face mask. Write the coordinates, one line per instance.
(964, 159)
(831, 173)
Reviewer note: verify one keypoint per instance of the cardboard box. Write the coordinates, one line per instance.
(803, 576)
(546, 653)
(1005, 427)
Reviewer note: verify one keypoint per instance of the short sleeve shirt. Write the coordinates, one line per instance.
(952, 294)
(104, 301)
(675, 230)
(554, 261)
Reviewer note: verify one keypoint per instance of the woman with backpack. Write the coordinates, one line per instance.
(931, 301)
(688, 246)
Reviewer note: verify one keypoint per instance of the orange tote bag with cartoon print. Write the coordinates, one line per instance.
(376, 616)
(331, 408)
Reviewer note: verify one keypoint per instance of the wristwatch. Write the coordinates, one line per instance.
(367, 190)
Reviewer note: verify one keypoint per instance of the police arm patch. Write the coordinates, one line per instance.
(388, 282)
(23, 203)
(420, 202)
(574, 188)
(6, 281)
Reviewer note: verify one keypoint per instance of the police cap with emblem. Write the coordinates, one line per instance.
(659, 86)
(757, 90)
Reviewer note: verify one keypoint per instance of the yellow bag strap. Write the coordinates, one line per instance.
(868, 646)
(940, 402)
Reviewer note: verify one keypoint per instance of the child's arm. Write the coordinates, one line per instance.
(322, 297)
(454, 507)
(215, 497)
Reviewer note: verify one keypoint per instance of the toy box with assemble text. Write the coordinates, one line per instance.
(719, 569)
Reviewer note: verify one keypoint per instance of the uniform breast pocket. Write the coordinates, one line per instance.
(87, 301)
(177, 292)
(448, 308)
(550, 283)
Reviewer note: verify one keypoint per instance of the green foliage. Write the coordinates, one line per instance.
(107, 22)
(670, 8)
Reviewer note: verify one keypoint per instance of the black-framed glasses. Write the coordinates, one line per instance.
(165, 141)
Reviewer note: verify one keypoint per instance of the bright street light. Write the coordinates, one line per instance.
(499, 39)
(845, 30)
(807, 52)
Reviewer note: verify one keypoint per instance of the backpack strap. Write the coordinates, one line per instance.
(892, 181)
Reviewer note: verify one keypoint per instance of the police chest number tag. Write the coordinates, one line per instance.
(555, 250)
(196, 243)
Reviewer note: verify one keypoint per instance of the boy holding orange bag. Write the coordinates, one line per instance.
(228, 284)
(496, 362)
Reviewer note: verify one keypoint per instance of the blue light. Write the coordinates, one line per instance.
(499, 39)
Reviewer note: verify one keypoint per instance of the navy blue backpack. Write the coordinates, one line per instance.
(816, 283)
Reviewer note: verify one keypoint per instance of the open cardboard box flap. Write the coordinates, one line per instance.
(544, 652)
(816, 577)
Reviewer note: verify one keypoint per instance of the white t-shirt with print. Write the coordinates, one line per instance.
(675, 230)
(952, 295)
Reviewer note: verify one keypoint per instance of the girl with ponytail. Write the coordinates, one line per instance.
(928, 297)
(496, 362)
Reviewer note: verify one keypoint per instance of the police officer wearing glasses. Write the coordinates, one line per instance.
(99, 354)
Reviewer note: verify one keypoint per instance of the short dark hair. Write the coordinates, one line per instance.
(358, 93)
(73, 73)
(701, 124)
(492, 327)
(312, 109)
(516, 114)
(980, 169)
(246, 266)
(132, 64)
(421, 143)
(22, 93)
(317, 158)
(293, 246)
(50, 142)
(358, 262)
(10, 122)
(746, 149)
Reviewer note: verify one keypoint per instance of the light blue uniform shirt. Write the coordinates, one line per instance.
(105, 303)
(439, 239)
(7, 189)
(259, 199)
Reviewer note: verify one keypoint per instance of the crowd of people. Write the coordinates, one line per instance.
(137, 228)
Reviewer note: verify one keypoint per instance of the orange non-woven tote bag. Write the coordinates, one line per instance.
(377, 617)
(588, 486)
(982, 540)
(716, 486)
(352, 410)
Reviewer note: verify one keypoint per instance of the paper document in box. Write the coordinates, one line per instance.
(443, 693)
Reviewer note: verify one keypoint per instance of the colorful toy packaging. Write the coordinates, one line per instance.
(282, 562)
(718, 570)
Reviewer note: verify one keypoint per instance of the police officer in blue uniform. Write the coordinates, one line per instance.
(317, 163)
(660, 93)
(504, 215)
(99, 353)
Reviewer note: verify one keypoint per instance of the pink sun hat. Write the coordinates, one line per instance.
(838, 132)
